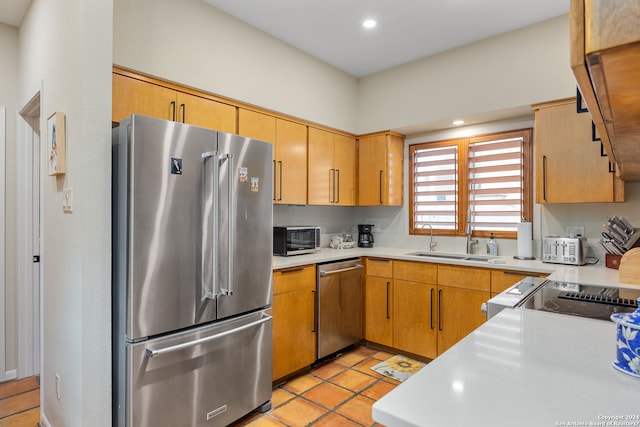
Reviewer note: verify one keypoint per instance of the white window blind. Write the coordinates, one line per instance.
(496, 182)
(435, 187)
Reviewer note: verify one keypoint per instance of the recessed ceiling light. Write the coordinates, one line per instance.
(369, 23)
(457, 122)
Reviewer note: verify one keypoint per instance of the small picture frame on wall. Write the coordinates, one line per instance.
(56, 144)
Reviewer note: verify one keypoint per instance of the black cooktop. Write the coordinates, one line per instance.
(592, 301)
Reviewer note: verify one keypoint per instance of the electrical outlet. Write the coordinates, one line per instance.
(575, 231)
(58, 385)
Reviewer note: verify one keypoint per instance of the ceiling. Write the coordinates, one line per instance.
(12, 11)
(406, 30)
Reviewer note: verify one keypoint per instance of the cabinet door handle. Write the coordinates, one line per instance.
(337, 186)
(431, 309)
(280, 163)
(274, 180)
(381, 177)
(315, 312)
(544, 177)
(388, 287)
(332, 185)
(173, 110)
(439, 309)
(183, 108)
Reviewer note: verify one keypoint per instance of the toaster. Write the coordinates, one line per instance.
(564, 250)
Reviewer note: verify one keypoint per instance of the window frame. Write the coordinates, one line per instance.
(462, 203)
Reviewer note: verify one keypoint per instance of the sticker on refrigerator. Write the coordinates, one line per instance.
(176, 166)
(243, 174)
(255, 184)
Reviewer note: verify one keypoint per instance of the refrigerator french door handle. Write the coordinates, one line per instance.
(150, 352)
(211, 294)
(231, 224)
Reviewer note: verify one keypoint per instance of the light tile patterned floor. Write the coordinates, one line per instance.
(338, 393)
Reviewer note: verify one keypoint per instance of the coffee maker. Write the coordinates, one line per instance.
(365, 235)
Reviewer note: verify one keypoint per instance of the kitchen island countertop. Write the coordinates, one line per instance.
(524, 368)
(587, 274)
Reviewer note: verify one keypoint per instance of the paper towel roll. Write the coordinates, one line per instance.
(525, 244)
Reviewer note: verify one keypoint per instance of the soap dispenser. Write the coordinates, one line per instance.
(492, 246)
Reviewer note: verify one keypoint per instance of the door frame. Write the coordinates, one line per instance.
(29, 283)
(4, 375)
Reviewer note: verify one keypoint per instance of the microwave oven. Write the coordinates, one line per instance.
(295, 240)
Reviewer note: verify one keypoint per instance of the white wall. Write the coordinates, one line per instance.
(65, 47)
(8, 98)
(505, 73)
(197, 45)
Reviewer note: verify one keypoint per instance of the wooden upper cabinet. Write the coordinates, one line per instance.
(380, 169)
(254, 124)
(604, 52)
(569, 165)
(290, 163)
(134, 96)
(207, 113)
(331, 168)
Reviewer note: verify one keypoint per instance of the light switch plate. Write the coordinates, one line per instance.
(67, 200)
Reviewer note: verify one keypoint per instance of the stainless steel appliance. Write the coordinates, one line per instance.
(365, 235)
(340, 305)
(512, 296)
(577, 299)
(295, 240)
(192, 215)
(564, 250)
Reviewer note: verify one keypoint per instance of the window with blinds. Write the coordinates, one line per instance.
(488, 177)
(435, 186)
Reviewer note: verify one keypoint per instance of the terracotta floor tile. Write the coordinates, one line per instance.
(350, 359)
(365, 351)
(353, 380)
(379, 389)
(366, 365)
(328, 395)
(301, 384)
(335, 420)
(358, 409)
(298, 413)
(392, 381)
(265, 421)
(382, 355)
(280, 396)
(328, 370)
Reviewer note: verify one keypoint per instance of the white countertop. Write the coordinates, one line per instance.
(521, 368)
(587, 274)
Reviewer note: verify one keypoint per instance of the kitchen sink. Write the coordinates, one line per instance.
(462, 257)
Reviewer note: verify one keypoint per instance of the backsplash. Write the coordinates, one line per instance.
(392, 223)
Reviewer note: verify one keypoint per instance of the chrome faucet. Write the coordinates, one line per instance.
(432, 244)
(470, 242)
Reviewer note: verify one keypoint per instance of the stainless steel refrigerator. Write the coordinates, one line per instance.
(192, 242)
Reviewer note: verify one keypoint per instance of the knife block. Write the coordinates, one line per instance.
(629, 270)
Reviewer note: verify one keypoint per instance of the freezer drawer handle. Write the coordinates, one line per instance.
(326, 273)
(149, 352)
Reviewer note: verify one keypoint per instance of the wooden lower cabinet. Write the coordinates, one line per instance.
(414, 324)
(424, 308)
(458, 314)
(293, 310)
(378, 310)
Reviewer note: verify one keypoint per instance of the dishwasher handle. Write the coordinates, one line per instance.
(341, 270)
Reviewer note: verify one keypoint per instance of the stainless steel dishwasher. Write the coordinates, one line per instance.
(340, 305)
